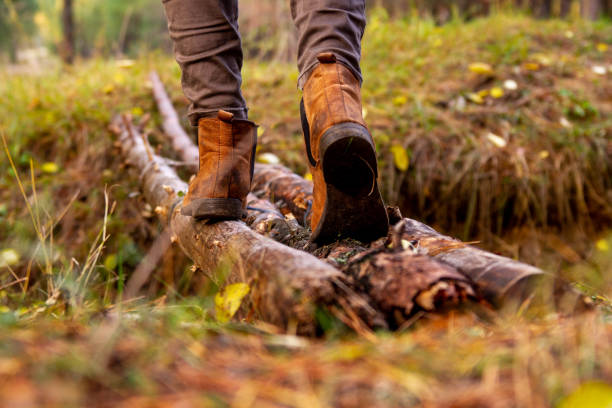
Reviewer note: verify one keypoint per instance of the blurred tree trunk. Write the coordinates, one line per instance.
(607, 7)
(566, 7)
(591, 9)
(68, 28)
(541, 8)
(12, 50)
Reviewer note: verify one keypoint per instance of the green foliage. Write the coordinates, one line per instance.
(16, 23)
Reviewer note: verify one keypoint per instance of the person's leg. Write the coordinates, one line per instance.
(341, 152)
(207, 47)
(334, 26)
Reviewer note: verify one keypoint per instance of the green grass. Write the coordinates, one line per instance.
(544, 197)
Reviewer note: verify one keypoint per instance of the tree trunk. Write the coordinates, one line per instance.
(68, 50)
(591, 9)
(12, 49)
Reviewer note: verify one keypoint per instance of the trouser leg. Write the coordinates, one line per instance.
(207, 47)
(335, 26)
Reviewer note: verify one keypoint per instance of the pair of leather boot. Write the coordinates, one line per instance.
(341, 158)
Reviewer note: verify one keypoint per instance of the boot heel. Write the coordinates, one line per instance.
(354, 207)
(214, 208)
(348, 159)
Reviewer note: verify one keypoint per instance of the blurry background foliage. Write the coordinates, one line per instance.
(130, 28)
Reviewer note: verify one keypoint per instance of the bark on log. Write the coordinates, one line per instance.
(497, 278)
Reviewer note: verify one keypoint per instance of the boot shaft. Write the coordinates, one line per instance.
(332, 95)
(227, 148)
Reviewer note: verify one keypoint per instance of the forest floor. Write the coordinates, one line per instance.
(498, 130)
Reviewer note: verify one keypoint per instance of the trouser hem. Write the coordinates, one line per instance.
(195, 115)
(303, 77)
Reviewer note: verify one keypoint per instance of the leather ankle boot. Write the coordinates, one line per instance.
(342, 157)
(227, 153)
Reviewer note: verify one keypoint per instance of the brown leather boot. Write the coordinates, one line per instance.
(342, 157)
(227, 153)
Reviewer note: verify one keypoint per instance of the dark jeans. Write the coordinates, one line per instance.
(208, 49)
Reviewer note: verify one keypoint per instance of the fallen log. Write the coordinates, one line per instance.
(398, 283)
(496, 277)
(285, 284)
(181, 142)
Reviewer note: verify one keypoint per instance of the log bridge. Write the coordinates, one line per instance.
(385, 284)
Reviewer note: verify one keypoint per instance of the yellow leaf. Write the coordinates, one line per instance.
(308, 176)
(108, 89)
(400, 100)
(437, 43)
(602, 47)
(497, 92)
(475, 98)
(484, 93)
(544, 154)
(592, 394)
(268, 158)
(49, 167)
(110, 262)
(531, 66)
(260, 131)
(481, 68)
(400, 157)
(119, 78)
(602, 245)
(8, 257)
(228, 301)
(137, 111)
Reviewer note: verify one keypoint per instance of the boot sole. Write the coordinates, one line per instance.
(354, 206)
(214, 209)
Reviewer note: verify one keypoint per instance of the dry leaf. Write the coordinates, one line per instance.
(8, 257)
(475, 98)
(496, 140)
(511, 85)
(497, 92)
(400, 100)
(400, 157)
(228, 301)
(268, 158)
(481, 68)
(49, 167)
